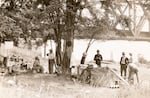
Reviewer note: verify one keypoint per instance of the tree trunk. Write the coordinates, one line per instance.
(69, 37)
(58, 37)
(45, 49)
(67, 56)
(58, 53)
(58, 45)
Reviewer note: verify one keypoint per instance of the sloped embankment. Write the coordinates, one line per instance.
(103, 77)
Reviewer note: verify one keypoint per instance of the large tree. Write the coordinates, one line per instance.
(41, 16)
(63, 17)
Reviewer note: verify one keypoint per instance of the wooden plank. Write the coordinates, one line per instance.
(123, 80)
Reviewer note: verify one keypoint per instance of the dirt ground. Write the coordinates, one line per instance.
(52, 86)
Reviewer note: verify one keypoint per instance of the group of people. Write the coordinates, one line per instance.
(127, 65)
(51, 61)
(97, 58)
(15, 63)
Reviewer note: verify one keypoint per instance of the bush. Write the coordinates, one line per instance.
(141, 59)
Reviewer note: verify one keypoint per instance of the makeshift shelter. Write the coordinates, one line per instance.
(102, 77)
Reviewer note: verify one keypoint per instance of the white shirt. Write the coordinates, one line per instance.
(133, 66)
(130, 60)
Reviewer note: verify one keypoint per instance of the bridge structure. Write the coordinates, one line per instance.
(136, 15)
(137, 11)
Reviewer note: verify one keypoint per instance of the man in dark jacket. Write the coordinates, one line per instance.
(123, 64)
(83, 58)
(98, 58)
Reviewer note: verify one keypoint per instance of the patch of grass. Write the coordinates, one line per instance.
(139, 91)
(50, 86)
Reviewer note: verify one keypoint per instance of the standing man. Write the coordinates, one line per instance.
(83, 58)
(51, 61)
(130, 58)
(98, 58)
(123, 64)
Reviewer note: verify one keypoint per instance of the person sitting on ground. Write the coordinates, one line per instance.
(23, 66)
(11, 63)
(3, 69)
(37, 68)
(98, 58)
(12, 58)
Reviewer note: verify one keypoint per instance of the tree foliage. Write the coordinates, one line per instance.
(36, 16)
(58, 19)
(9, 29)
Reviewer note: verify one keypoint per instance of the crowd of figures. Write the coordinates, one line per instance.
(97, 58)
(127, 66)
(128, 69)
(13, 64)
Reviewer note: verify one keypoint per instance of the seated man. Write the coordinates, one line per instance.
(23, 66)
(3, 69)
(37, 68)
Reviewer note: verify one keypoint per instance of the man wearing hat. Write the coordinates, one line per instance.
(123, 64)
(98, 58)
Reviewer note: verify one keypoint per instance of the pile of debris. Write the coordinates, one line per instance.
(102, 77)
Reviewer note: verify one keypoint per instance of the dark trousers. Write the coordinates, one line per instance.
(123, 69)
(5, 61)
(82, 60)
(98, 62)
(50, 66)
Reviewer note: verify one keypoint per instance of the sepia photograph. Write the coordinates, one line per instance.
(74, 48)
